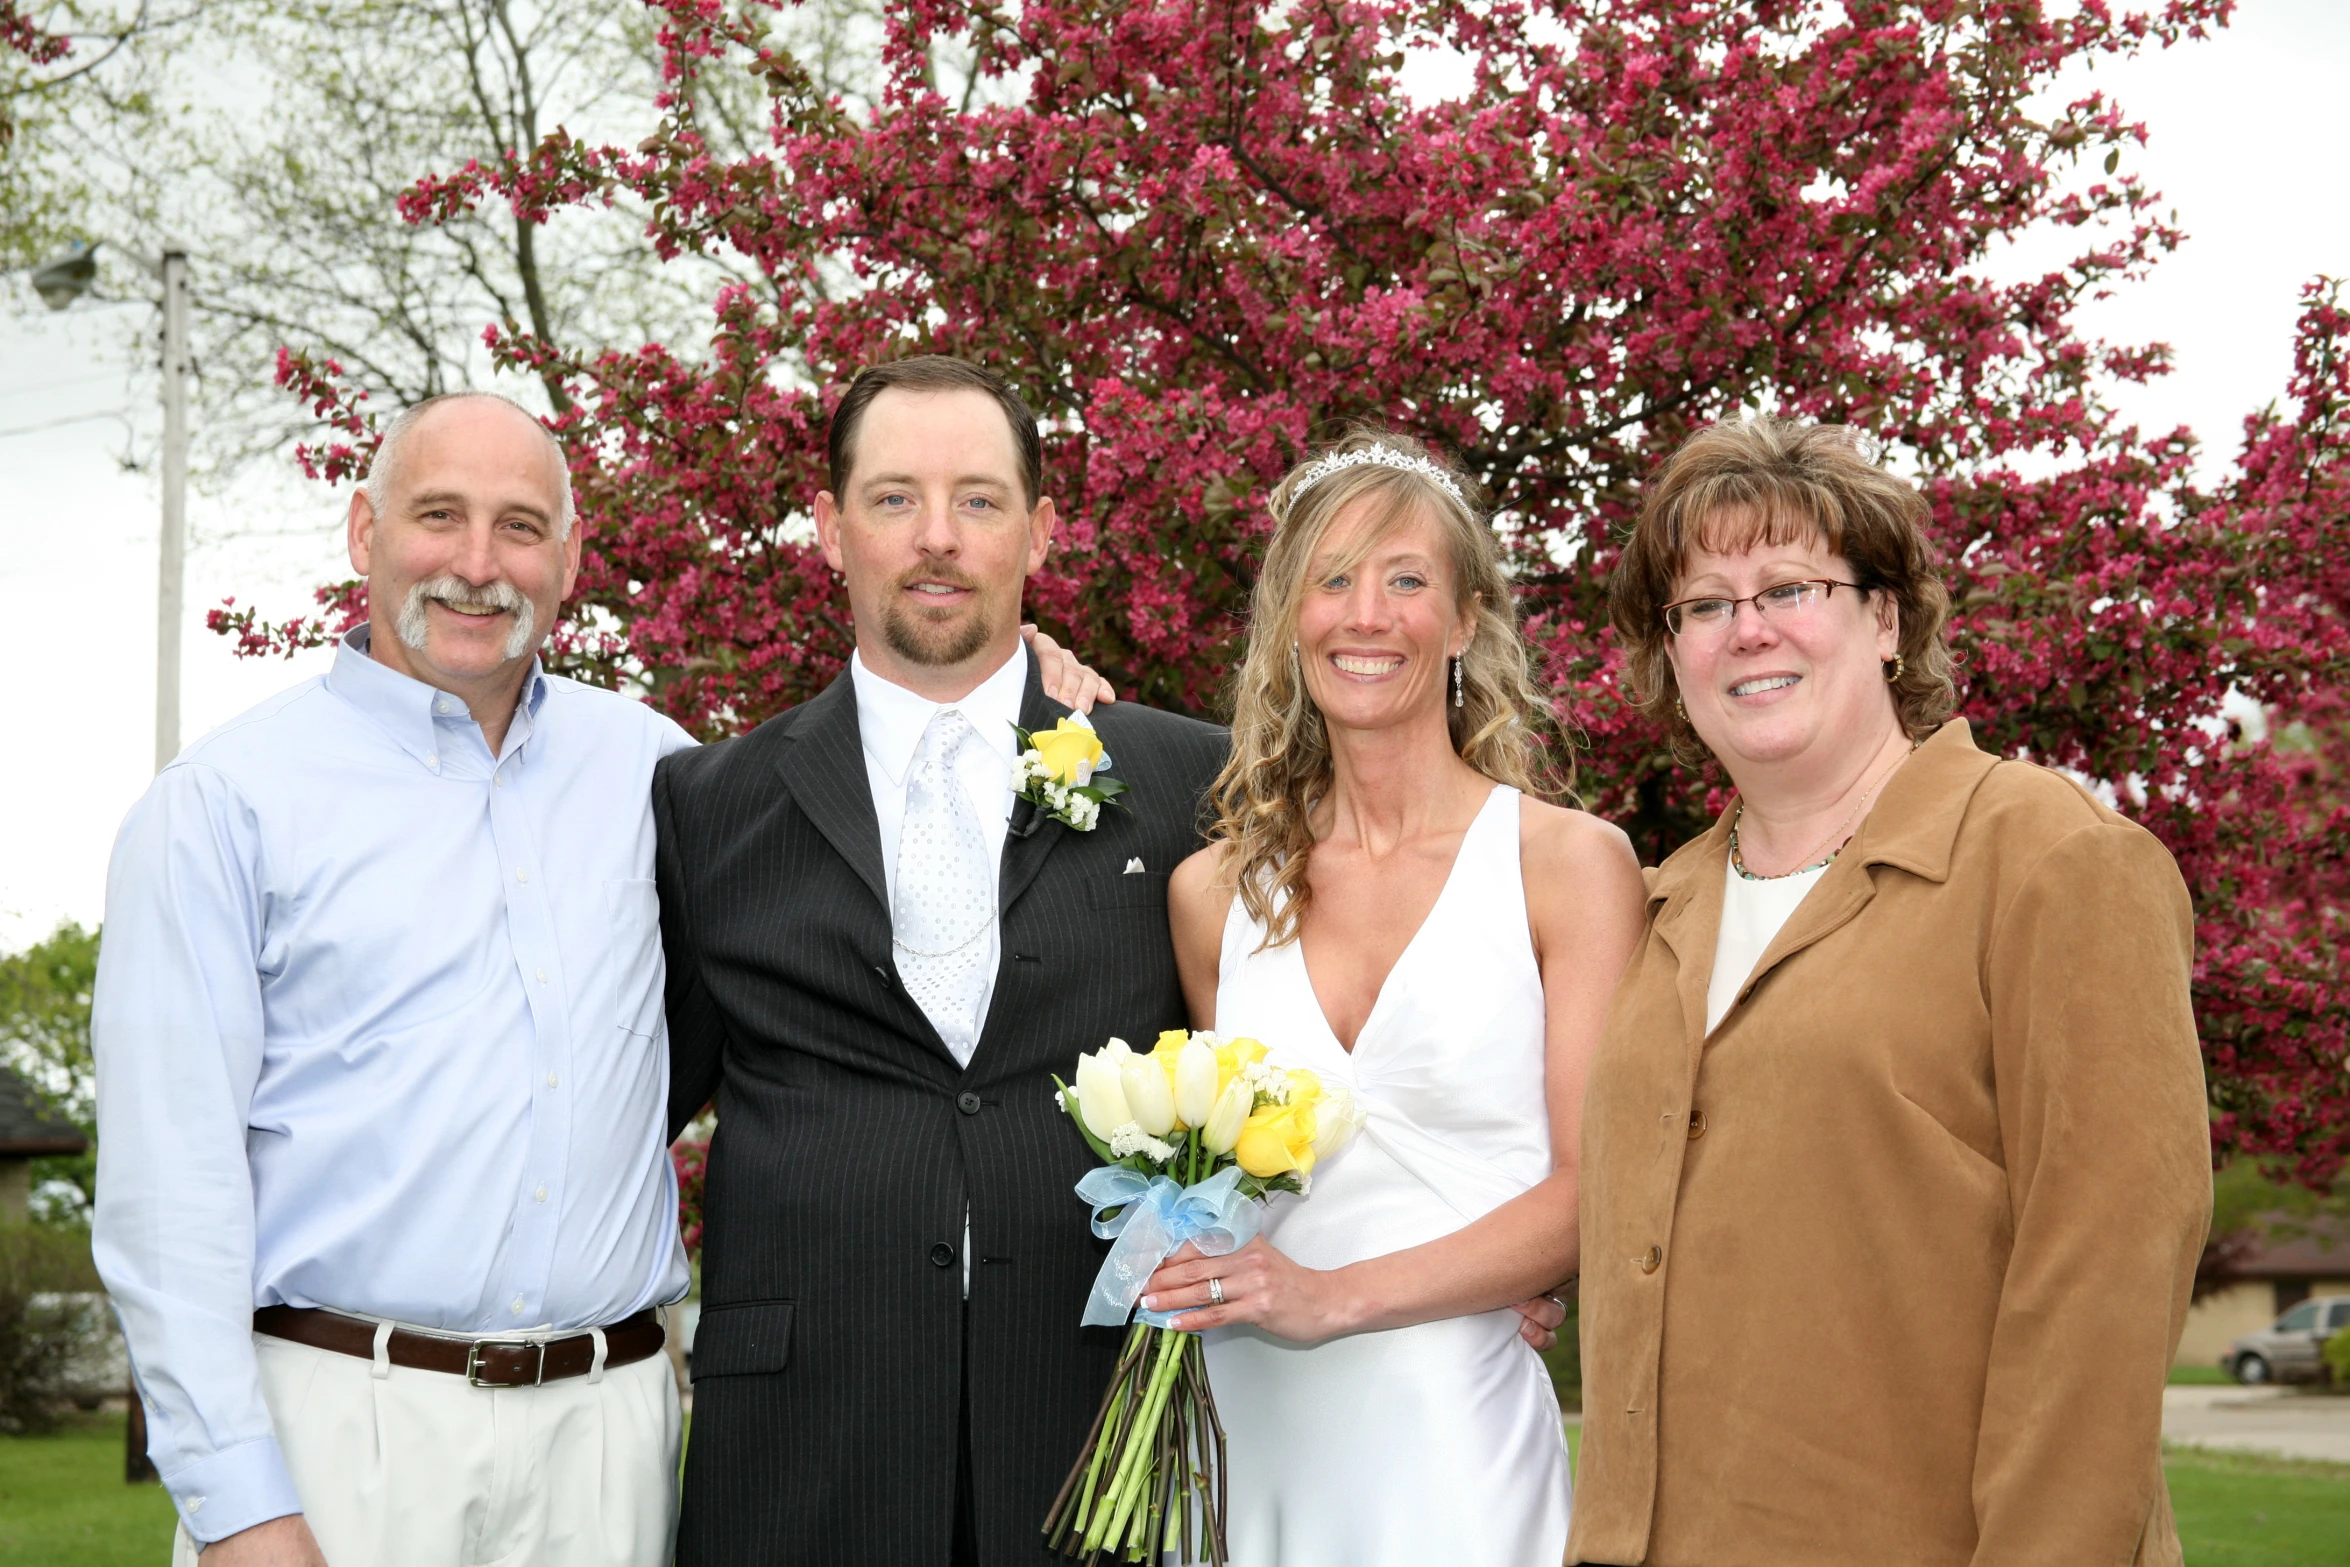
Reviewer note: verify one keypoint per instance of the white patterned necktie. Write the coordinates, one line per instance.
(944, 902)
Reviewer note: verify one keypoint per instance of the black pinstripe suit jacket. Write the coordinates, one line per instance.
(829, 1362)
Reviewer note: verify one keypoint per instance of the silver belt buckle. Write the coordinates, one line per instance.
(473, 1361)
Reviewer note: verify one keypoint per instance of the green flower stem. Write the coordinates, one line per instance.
(1142, 1441)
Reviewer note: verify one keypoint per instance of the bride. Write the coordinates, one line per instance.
(1385, 902)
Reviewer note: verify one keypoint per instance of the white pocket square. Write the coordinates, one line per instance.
(1134, 867)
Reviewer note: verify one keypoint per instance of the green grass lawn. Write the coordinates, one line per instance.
(2236, 1510)
(63, 1504)
(2199, 1376)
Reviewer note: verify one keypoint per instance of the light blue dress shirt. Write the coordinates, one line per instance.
(378, 1028)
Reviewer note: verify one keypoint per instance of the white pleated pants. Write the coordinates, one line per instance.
(420, 1469)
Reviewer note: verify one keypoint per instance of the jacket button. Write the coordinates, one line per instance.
(1696, 1124)
(1649, 1260)
(942, 1254)
(968, 1104)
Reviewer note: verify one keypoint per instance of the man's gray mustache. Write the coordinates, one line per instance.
(414, 629)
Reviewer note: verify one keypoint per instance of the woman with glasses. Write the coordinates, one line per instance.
(1896, 1162)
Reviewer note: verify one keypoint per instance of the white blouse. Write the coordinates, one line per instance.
(1752, 912)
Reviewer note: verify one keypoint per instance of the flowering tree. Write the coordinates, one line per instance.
(1196, 232)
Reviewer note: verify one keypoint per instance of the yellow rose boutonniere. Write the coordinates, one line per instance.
(1058, 770)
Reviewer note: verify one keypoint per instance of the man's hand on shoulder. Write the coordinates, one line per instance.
(281, 1542)
(1064, 679)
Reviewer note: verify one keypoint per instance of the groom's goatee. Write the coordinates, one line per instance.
(919, 640)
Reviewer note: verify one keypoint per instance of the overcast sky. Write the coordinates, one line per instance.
(2245, 132)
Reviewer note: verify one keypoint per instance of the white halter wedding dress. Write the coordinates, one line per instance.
(1428, 1445)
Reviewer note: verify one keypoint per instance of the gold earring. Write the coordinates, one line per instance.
(1899, 664)
(1678, 708)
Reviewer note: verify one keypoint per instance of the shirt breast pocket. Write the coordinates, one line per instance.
(633, 910)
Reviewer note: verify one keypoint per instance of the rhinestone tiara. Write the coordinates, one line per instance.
(1385, 456)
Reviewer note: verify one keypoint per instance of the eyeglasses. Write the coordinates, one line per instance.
(1781, 601)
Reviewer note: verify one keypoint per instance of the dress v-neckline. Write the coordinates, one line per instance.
(1379, 997)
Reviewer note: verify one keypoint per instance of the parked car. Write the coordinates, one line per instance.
(2289, 1349)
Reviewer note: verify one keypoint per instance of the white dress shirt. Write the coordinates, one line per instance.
(378, 1028)
(891, 721)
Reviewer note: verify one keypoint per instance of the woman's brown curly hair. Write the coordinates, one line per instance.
(1744, 483)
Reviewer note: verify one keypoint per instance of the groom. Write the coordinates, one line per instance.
(878, 958)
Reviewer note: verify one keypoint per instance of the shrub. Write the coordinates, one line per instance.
(51, 1316)
(2337, 1353)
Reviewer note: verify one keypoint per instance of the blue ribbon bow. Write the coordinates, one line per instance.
(1156, 1216)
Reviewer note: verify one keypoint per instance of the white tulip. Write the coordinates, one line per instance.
(1222, 1127)
(1336, 1117)
(1100, 1099)
(1149, 1095)
(1195, 1082)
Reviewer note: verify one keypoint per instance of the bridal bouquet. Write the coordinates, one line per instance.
(1192, 1135)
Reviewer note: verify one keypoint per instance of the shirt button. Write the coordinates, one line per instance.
(498, 782)
(522, 876)
(541, 1194)
(943, 1255)
(441, 707)
(1651, 1259)
(968, 1104)
(516, 1308)
(550, 1079)
(1696, 1124)
(432, 761)
(542, 976)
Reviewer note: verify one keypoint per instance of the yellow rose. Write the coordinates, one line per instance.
(1171, 1042)
(1277, 1139)
(1070, 751)
(1233, 1054)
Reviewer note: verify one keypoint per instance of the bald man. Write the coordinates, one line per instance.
(384, 1198)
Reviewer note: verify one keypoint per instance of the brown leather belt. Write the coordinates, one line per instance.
(484, 1362)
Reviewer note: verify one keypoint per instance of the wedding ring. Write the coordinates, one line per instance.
(1554, 1300)
(1216, 1291)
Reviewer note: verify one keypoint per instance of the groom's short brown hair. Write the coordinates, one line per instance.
(931, 373)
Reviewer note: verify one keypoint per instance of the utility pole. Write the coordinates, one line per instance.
(59, 283)
(171, 576)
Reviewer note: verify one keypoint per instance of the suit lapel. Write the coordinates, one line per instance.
(824, 767)
(1031, 835)
(1690, 923)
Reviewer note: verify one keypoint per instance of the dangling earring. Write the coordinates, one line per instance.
(1457, 699)
(1678, 708)
(1899, 664)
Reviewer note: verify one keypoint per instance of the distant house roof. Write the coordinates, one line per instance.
(29, 1127)
(2315, 1248)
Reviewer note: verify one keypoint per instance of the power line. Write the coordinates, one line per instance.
(51, 424)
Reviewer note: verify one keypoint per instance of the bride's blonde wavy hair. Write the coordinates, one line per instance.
(1280, 768)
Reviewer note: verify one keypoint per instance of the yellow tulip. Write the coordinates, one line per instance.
(1070, 751)
(1275, 1140)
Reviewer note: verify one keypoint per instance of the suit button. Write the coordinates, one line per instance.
(1649, 1260)
(1696, 1124)
(943, 1255)
(968, 1104)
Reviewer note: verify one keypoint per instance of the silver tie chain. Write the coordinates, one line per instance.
(943, 903)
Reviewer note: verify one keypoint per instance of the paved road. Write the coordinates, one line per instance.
(2277, 1420)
